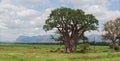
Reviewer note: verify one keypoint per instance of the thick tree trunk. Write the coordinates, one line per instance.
(67, 46)
(73, 45)
(70, 42)
(70, 46)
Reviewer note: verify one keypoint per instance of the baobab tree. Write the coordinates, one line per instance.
(112, 32)
(71, 24)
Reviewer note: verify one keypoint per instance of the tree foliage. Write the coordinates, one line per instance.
(71, 24)
(112, 31)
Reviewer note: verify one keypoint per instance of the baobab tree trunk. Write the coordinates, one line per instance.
(67, 46)
(73, 45)
(70, 45)
(70, 42)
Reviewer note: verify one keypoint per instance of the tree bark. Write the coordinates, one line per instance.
(70, 46)
(114, 46)
(67, 46)
(73, 45)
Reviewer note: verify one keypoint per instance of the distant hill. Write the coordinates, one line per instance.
(47, 39)
(34, 39)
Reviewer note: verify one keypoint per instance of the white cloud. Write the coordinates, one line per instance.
(102, 13)
(85, 3)
(30, 3)
(96, 32)
(3, 26)
(19, 20)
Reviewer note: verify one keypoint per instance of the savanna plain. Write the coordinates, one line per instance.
(29, 52)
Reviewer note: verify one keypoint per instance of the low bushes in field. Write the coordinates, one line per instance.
(83, 48)
(116, 47)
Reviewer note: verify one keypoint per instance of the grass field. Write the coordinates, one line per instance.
(24, 52)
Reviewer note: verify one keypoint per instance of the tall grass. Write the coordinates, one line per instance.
(24, 52)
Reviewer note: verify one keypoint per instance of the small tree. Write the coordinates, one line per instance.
(71, 24)
(112, 29)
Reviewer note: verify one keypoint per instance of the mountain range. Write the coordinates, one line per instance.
(47, 39)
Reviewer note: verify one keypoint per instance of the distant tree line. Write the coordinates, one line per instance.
(91, 43)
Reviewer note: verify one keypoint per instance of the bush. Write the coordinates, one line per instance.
(83, 48)
(116, 46)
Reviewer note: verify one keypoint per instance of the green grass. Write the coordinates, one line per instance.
(24, 52)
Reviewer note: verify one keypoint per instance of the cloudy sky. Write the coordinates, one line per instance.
(26, 17)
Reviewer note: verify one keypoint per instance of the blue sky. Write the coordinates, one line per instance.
(26, 17)
(115, 5)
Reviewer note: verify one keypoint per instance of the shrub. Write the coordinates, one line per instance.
(83, 48)
(116, 46)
